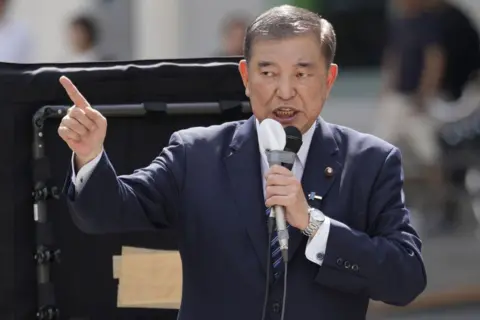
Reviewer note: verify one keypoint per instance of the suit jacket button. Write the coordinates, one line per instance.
(276, 307)
(355, 268)
(340, 261)
(347, 264)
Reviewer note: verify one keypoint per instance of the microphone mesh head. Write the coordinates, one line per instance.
(294, 139)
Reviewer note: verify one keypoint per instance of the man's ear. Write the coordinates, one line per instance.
(243, 68)
(332, 75)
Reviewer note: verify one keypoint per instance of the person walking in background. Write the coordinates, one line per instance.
(83, 36)
(431, 56)
(460, 42)
(15, 41)
(413, 69)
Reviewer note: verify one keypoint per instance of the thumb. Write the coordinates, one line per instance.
(75, 95)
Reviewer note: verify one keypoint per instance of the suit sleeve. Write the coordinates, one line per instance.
(147, 199)
(385, 263)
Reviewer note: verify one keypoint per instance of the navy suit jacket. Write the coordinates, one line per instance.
(207, 185)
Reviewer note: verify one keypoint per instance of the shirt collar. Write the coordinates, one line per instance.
(306, 141)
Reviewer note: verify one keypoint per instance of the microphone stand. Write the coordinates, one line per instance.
(271, 224)
(281, 157)
(277, 157)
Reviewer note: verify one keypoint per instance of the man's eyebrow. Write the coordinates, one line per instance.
(304, 64)
(262, 64)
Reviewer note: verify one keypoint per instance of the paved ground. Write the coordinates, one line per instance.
(464, 313)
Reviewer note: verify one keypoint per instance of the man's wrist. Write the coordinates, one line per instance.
(305, 223)
(316, 218)
(82, 161)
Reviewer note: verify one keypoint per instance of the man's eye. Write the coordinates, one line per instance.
(267, 73)
(302, 75)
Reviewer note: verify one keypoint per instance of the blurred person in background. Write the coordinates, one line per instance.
(83, 34)
(233, 33)
(412, 70)
(459, 88)
(15, 42)
(430, 56)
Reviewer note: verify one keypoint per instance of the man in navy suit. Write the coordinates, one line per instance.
(213, 186)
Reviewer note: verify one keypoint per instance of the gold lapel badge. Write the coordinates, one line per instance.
(328, 172)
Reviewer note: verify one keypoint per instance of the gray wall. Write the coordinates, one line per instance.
(115, 19)
(201, 21)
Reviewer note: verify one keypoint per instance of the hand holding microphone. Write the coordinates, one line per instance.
(283, 191)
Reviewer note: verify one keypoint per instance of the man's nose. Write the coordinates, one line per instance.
(286, 88)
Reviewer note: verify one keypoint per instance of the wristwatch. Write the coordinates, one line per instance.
(316, 219)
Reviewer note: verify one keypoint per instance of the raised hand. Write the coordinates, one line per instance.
(83, 128)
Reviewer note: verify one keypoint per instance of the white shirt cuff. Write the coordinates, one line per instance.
(79, 179)
(317, 245)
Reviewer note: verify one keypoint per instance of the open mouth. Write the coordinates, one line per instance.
(284, 115)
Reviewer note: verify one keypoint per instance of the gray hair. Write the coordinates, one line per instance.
(286, 21)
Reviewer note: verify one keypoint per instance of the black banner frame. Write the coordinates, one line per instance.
(46, 253)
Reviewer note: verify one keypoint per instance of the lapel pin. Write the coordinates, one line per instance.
(328, 172)
(313, 196)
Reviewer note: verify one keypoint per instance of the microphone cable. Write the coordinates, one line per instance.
(285, 276)
(271, 224)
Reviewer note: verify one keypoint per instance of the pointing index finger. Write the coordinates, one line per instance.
(77, 98)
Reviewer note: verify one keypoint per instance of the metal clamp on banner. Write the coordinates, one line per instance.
(48, 112)
(48, 313)
(45, 193)
(47, 255)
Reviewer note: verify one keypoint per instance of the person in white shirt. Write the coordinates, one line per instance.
(15, 41)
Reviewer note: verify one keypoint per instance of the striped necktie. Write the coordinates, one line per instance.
(277, 261)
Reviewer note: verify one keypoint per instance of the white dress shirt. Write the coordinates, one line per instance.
(316, 245)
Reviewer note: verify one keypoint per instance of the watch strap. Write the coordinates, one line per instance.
(313, 225)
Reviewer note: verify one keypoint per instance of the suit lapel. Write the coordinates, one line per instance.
(244, 171)
(321, 169)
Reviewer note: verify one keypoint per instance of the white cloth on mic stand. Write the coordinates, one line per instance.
(316, 246)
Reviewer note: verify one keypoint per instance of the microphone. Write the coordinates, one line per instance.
(281, 146)
(293, 144)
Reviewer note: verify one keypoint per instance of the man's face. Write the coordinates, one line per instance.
(79, 38)
(287, 80)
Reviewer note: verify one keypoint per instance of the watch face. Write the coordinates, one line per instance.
(317, 215)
